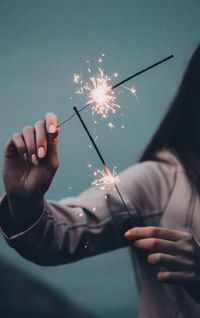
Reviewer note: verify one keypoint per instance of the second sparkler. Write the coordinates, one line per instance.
(112, 179)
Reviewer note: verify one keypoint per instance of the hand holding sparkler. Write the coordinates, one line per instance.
(30, 163)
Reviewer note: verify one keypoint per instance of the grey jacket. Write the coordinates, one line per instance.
(156, 193)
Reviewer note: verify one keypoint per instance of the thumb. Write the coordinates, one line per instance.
(52, 149)
(51, 121)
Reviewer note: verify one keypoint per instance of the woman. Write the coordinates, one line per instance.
(162, 194)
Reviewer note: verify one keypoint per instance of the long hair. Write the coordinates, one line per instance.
(180, 128)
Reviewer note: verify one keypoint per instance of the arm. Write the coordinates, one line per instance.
(48, 232)
(68, 231)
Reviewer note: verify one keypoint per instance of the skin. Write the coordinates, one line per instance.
(175, 254)
(30, 163)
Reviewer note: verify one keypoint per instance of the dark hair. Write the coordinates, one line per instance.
(180, 128)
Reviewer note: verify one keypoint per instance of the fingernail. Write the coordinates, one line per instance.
(127, 234)
(160, 276)
(34, 159)
(25, 156)
(40, 152)
(52, 129)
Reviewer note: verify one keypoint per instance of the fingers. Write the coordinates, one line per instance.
(34, 143)
(173, 251)
(17, 146)
(41, 139)
(152, 245)
(171, 262)
(51, 122)
(181, 277)
(154, 232)
(28, 135)
(46, 133)
(159, 239)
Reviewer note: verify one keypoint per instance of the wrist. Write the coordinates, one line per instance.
(24, 213)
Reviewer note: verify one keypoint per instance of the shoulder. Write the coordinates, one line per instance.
(150, 183)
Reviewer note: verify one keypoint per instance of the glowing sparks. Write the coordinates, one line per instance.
(76, 78)
(100, 95)
(111, 125)
(99, 92)
(106, 181)
(132, 90)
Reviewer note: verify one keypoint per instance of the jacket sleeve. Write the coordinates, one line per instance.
(93, 222)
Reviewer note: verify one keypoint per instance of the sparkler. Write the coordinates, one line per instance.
(105, 181)
(101, 94)
(110, 178)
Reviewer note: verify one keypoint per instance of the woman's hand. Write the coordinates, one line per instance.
(30, 162)
(175, 253)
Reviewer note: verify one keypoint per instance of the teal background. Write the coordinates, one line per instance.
(42, 44)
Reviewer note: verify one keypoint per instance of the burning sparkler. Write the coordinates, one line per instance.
(106, 181)
(101, 94)
(107, 175)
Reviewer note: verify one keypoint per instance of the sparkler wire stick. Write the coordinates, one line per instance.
(107, 170)
(120, 83)
(142, 71)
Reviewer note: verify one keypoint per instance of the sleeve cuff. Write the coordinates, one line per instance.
(9, 229)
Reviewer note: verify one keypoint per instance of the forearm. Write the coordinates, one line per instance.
(67, 231)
